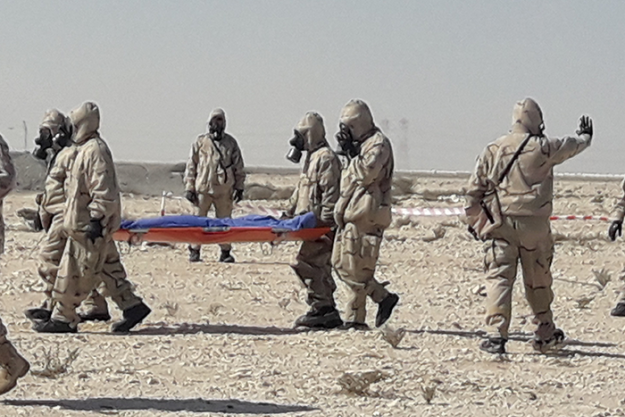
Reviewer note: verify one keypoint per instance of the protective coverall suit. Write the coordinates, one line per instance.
(525, 202)
(214, 176)
(12, 365)
(317, 191)
(616, 227)
(92, 213)
(51, 209)
(362, 213)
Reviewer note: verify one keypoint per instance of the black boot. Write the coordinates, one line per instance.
(194, 255)
(324, 318)
(494, 345)
(53, 326)
(543, 346)
(226, 256)
(38, 314)
(385, 309)
(619, 310)
(132, 317)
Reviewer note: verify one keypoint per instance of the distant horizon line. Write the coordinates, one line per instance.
(275, 169)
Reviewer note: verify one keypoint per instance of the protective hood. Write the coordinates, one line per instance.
(527, 117)
(215, 113)
(312, 129)
(357, 116)
(86, 122)
(54, 120)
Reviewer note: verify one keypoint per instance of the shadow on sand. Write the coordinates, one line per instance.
(526, 337)
(192, 328)
(197, 405)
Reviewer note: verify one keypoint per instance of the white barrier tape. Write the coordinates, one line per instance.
(426, 211)
(400, 211)
(576, 217)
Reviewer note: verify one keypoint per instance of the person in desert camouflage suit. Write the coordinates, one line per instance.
(92, 213)
(214, 176)
(521, 210)
(54, 144)
(363, 212)
(317, 191)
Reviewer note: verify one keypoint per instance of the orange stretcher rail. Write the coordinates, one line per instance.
(203, 236)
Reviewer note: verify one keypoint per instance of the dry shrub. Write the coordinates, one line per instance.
(603, 277)
(171, 307)
(52, 365)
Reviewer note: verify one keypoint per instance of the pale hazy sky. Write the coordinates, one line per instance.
(452, 69)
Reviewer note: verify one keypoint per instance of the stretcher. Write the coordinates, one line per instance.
(204, 230)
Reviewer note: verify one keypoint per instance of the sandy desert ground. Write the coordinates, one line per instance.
(220, 339)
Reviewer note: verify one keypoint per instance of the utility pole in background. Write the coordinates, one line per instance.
(25, 136)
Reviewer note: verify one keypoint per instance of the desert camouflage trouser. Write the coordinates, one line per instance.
(354, 259)
(313, 267)
(529, 240)
(223, 208)
(50, 256)
(113, 272)
(1, 229)
(84, 266)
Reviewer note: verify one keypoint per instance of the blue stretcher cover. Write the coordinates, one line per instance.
(203, 230)
(305, 221)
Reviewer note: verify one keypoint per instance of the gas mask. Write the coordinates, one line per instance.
(347, 145)
(43, 142)
(216, 128)
(297, 147)
(46, 143)
(63, 138)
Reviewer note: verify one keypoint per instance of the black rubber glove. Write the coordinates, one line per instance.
(43, 142)
(348, 148)
(38, 224)
(192, 197)
(238, 196)
(615, 227)
(94, 230)
(473, 233)
(585, 126)
(46, 226)
(347, 145)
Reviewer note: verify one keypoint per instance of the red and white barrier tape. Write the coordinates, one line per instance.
(457, 211)
(576, 217)
(426, 211)
(399, 211)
